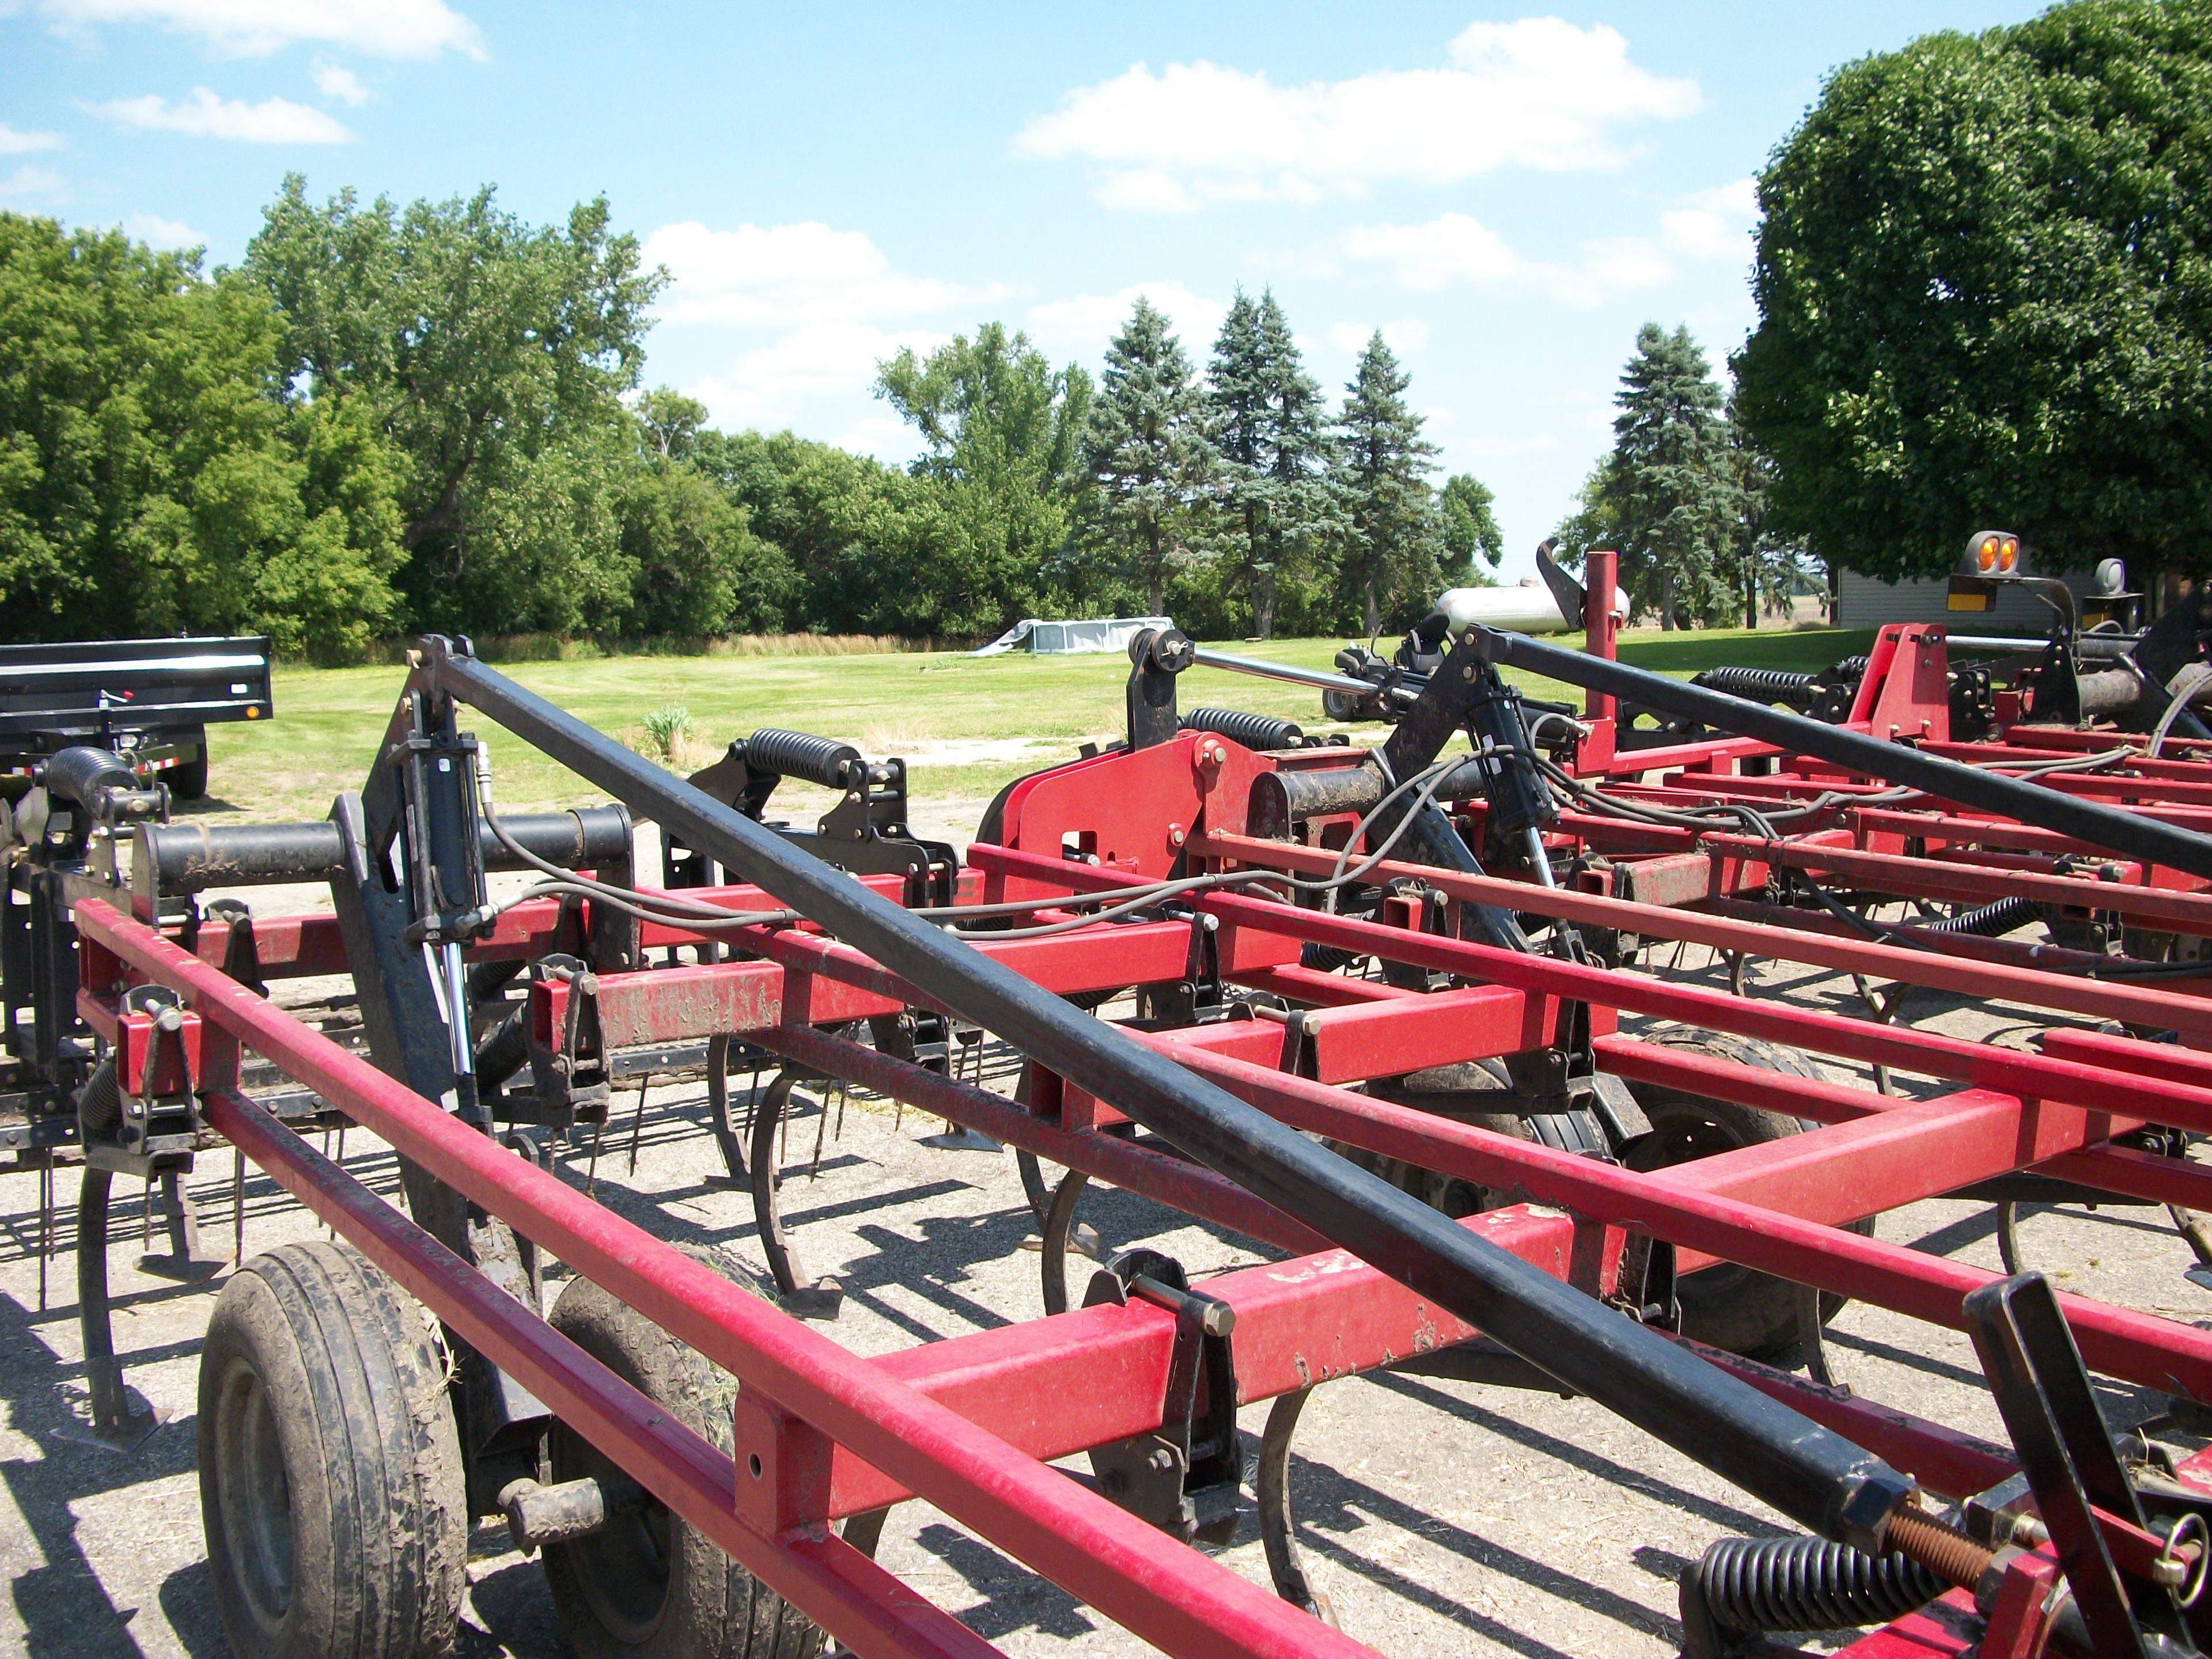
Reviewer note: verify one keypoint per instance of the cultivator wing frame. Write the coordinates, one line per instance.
(1207, 1106)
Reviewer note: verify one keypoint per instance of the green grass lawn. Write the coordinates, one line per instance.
(966, 723)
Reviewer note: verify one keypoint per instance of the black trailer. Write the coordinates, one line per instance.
(148, 700)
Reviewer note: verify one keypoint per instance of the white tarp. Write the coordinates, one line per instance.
(1097, 634)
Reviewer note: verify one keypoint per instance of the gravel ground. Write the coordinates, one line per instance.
(1439, 1517)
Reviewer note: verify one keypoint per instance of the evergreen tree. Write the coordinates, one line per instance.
(1392, 544)
(1238, 408)
(1270, 429)
(1666, 496)
(1145, 453)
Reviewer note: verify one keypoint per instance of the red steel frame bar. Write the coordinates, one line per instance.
(2028, 1076)
(2103, 1000)
(841, 1589)
(1173, 1597)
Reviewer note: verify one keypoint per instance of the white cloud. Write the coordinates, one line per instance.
(815, 309)
(155, 231)
(1081, 326)
(341, 84)
(1713, 223)
(13, 142)
(1450, 248)
(1453, 249)
(768, 385)
(1538, 93)
(203, 115)
(27, 185)
(254, 29)
(782, 276)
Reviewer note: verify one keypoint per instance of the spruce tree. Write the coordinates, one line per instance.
(1666, 495)
(1237, 411)
(1145, 454)
(1392, 544)
(1304, 515)
(1280, 514)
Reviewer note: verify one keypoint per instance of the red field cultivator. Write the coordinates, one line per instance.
(1379, 1010)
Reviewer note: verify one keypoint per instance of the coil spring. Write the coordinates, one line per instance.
(1259, 732)
(1988, 922)
(1850, 669)
(1756, 685)
(800, 755)
(1326, 958)
(1746, 1584)
(100, 1102)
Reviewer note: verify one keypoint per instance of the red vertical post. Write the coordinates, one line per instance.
(1602, 628)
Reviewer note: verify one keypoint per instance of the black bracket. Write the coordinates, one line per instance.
(1656, 1301)
(1157, 655)
(1185, 1478)
(2043, 1393)
(568, 1074)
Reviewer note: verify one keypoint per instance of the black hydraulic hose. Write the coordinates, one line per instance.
(1744, 1585)
(1809, 1473)
(2127, 833)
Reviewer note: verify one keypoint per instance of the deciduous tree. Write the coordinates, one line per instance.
(1985, 284)
(487, 350)
(149, 479)
(1004, 430)
(1470, 527)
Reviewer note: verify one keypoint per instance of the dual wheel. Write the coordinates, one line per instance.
(332, 1496)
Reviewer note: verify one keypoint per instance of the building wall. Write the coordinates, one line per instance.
(1863, 602)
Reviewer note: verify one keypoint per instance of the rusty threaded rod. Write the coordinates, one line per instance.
(1948, 1554)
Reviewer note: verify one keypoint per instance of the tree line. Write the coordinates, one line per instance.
(388, 419)
(1983, 278)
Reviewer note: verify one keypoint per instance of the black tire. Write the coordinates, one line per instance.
(1726, 1306)
(649, 1586)
(189, 780)
(329, 1468)
(1467, 1092)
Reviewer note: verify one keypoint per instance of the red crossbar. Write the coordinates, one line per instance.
(1169, 1595)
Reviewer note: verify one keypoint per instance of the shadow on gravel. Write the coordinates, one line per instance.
(1014, 1599)
(65, 1608)
(1536, 1440)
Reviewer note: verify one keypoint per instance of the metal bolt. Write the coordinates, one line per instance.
(1175, 835)
(1161, 1460)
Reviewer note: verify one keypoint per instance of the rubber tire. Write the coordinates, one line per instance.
(711, 1607)
(317, 1365)
(1726, 1306)
(190, 780)
(1465, 1092)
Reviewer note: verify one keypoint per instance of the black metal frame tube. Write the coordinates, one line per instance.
(190, 858)
(1808, 1473)
(2148, 839)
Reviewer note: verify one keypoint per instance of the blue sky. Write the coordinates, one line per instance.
(1508, 193)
